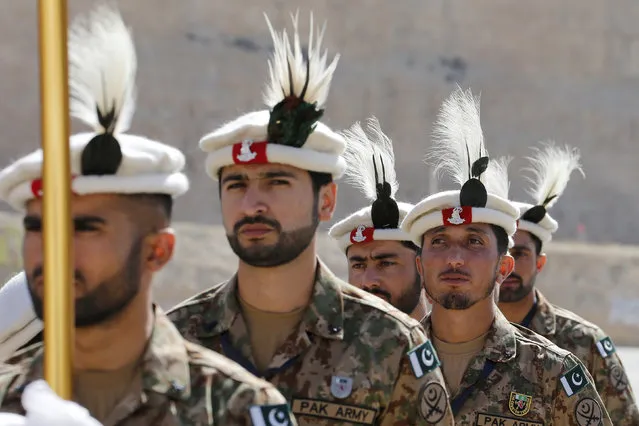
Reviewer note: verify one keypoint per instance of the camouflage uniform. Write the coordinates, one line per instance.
(532, 382)
(347, 363)
(182, 384)
(597, 352)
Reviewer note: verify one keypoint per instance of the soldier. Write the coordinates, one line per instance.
(381, 257)
(497, 373)
(338, 354)
(130, 364)
(522, 303)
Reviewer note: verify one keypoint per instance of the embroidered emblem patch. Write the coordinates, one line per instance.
(519, 404)
(618, 378)
(362, 234)
(250, 152)
(423, 359)
(588, 412)
(270, 415)
(432, 402)
(574, 380)
(341, 387)
(457, 216)
(605, 347)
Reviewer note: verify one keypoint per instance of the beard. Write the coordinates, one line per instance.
(455, 300)
(106, 300)
(289, 244)
(511, 295)
(408, 300)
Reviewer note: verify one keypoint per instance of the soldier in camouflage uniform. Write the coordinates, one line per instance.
(381, 257)
(522, 303)
(338, 354)
(131, 366)
(497, 373)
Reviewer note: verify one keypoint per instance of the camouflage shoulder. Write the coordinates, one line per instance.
(533, 341)
(568, 321)
(237, 395)
(196, 303)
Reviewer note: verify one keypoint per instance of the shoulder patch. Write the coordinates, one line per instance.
(271, 415)
(423, 359)
(574, 380)
(588, 412)
(606, 347)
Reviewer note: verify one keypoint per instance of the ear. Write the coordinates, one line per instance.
(160, 249)
(506, 266)
(541, 262)
(327, 201)
(418, 264)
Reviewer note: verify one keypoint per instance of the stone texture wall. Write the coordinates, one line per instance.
(564, 70)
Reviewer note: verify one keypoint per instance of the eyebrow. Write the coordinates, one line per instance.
(381, 256)
(31, 221)
(522, 248)
(264, 175)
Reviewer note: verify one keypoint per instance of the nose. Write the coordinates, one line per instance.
(370, 279)
(455, 258)
(253, 203)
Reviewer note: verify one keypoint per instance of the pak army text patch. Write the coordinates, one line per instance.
(334, 411)
(484, 419)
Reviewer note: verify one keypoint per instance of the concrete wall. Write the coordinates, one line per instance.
(567, 70)
(597, 282)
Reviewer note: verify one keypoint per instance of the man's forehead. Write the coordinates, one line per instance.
(471, 228)
(256, 171)
(522, 237)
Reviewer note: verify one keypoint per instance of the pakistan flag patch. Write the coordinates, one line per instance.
(605, 346)
(270, 415)
(423, 359)
(574, 380)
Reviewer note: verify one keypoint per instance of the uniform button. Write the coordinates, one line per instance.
(333, 329)
(176, 388)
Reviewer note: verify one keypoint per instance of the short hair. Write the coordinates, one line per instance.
(162, 201)
(502, 239)
(537, 243)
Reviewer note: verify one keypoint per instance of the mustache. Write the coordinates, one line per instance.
(515, 276)
(255, 220)
(455, 271)
(379, 292)
(38, 273)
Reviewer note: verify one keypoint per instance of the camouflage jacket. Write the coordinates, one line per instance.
(354, 359)
(182, 384)
(521, 378)
(596, 351)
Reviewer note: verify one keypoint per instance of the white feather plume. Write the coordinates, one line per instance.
(458, 140)
(102, 68)
(361, 146)
(319, 76)
(495, 178)
(551, 167)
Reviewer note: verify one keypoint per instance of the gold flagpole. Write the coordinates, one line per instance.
(59, 312)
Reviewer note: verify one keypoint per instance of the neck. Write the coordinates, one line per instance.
(283, 288)
(464, 325)
(421, 309)
(517, 311)
(116, 342)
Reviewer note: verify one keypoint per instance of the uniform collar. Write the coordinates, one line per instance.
(324, 316)
(500, 345)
